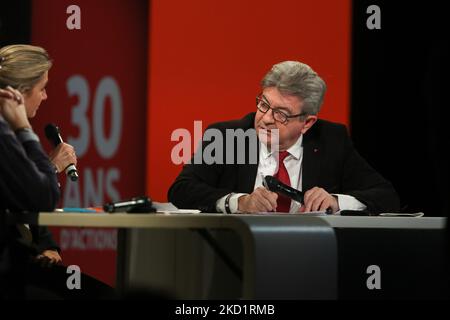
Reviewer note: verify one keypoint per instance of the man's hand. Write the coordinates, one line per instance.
(62, 156)
(317, 199)
(49, 258)
(260, 200)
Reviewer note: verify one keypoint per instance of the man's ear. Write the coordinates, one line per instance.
(309, 122)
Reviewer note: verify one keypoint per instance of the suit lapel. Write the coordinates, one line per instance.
(247, 176)
(247, 173)
(311, 161)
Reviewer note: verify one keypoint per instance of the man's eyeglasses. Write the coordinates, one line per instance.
(263, 105)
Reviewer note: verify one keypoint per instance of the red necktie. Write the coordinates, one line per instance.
(283, 203)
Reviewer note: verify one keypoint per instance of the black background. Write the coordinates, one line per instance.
(399, 79)
(15, 22)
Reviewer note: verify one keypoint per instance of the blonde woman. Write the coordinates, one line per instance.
(25, 68)
(28, 181)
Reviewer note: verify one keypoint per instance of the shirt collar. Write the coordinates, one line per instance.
(294, 150)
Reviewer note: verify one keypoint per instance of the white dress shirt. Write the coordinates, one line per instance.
(268, 165)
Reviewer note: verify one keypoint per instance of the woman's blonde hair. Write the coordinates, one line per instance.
(22, 66)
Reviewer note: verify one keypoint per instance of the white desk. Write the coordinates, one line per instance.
(213, 220)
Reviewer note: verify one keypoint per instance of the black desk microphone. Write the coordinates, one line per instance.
(53, 135)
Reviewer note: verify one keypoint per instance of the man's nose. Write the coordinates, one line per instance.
(268, 117)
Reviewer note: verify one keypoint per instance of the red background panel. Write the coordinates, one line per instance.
(205, 62)
(112, 43)
(208, 57)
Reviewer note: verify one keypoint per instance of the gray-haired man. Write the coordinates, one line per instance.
(312, 155)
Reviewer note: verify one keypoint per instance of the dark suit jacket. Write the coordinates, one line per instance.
(329, 162)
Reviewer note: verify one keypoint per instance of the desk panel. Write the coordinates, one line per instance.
(282, 256)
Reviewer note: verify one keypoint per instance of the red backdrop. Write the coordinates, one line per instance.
(208, 57)
(97, 96)
(205, 62)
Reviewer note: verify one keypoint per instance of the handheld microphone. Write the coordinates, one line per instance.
(54, 136)
(275, 185)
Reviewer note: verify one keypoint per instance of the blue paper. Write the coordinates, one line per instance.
(79, 210)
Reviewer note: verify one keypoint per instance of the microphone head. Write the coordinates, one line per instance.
(52, 134)
(275, 185)
(271, 183)
(51, 130)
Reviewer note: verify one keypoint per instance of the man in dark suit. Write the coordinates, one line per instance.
(309, 154)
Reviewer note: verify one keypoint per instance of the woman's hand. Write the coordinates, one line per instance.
(63, 156)
(12, 108)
